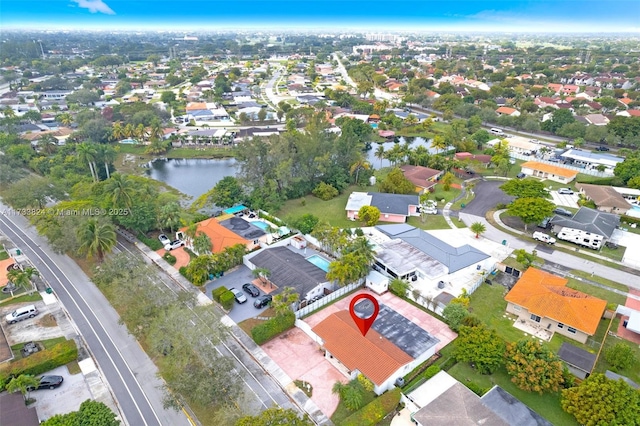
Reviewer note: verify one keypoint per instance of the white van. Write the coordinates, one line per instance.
(541, 236)
(496, 131)
(19, 314)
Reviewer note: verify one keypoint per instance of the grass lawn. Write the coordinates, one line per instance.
(600, 280)
(248, 324)
(488, 304)
(615, 254)
(592, 345)
(440, 194)
(547, 405)
(47, 344)
(331, 211)
(343, 412)
(602, 365)
(598, 292)
(3, 255)
(34, 297)
(432, 222)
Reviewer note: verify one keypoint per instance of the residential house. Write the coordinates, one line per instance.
(424, 178)
(579, 362)
(15, 412)
(483, 159)
(392, 347)
(548, 171)
(504, 110)
(220, 236)
(544, 301)
(393, 207)
(630, 113)
(289, 269)
(597, 119)
(443, 401)
(56, 94)
(245, 229)
(605, 198)
(614, 376)
(591, 160)
(518, 145)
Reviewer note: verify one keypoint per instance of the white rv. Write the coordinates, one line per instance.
(582, 238)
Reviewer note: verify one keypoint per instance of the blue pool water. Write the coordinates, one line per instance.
(261, 225)
(129, 141)
(320, 262)
(636, 208)
(374, 125)
(235, 209)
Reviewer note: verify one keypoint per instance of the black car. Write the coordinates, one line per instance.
(545, 223)
(602, 148)
(262, 301)
(563, 212)
(49, 382)
(251, 289)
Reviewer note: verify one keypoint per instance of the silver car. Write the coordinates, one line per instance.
(240, 297)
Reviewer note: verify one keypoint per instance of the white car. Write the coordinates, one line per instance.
(542, 237)
(173, 245)
(567, 191)
(240, 297)
(164, 239)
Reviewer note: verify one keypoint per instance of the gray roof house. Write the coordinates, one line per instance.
(579, 361)
(588, 220)
(289, 269)
(393, 207)
(511, 409)
(614, 376)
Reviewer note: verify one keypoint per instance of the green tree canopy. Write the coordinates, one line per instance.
(533, 367)
(226, 193)
(600, 401)
(481, 346)
(530, 210)
(454, 314)
(91, 412)
(369, 215)
(305, 223)
(396, 183)
(525, 188)
(620, 356)
(275, 416)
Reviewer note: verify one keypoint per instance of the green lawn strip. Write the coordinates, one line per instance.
(46, 344)
(488, 304)
(343, 412)
(602, 365)
(547, 404)
(603, 281)
(4, 255)
(598, 292)
(33, 297)
(615, 254)
(432, 222)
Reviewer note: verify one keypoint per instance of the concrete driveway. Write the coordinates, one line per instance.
(64, 399)
(237, 278)
(565, 200)
(631, 241)
(487, 195)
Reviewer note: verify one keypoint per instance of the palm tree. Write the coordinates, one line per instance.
(156, 131)
(438, 143)
(65, 119)
(478, 228)
(122, 189)
(202, 243)
(9, 112)
(23, 383)
(156, 147)
(108, 155)
(140, 132)
(129, 131)
(96, 239)
(118, 132)
(48, 143)
(87, 153)
(380, 153)
(263, 274)
(22, 277)
(360, 164)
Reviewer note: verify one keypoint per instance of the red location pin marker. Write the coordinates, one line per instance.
(364, 324)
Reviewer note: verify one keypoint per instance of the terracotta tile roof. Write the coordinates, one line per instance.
(549, 168)
(220, 236)
(419, 175)
(634, 112)
(373, 355)
(546, 295)
(506, 110)
(483, 158)
(625, 101)
(195, 106)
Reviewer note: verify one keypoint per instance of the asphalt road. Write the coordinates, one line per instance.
(127, 368)
(487, 195)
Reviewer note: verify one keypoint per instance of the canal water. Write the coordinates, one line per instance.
(193, 176)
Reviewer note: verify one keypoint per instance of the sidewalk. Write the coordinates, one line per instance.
(272, 369)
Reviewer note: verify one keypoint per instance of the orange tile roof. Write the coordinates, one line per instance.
(4, 264)
(546, 295)
(373, 355)
(549, 168)
(220, 236)
(195, 106)
(505, 110)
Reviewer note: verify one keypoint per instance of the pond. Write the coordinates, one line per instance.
(193, 176)
(413, 141)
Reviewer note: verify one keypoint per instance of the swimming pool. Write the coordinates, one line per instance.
(129, 141)
(374, 125)
(320, 262)
(262, 225)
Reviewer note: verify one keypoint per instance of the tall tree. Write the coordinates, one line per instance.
(87, 154)
(283, 301)
(96, 238)
(122, 190)
(23, 383)
(530, 210)
(202, 243)
(108, 155)
(396, 183)
(525, 188)
(533, 367)
(170, 216)
(481, 346)
(380, 153)
(600, 401)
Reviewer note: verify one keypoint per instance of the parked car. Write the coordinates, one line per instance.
(173, 245)
(240, 297)
(566, 191)
(541, 236)
(602, 148)
(563, 212)
(521, 175)
(164, 239)
(262, 301)
(251, 289)
(23, 313)
(545, 223)
(48, 382)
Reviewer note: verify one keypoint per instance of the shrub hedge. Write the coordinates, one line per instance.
(226, 300)
(217, 292)
(153, 243)
(375, 411)
(171, 259)
(40, 362)
(271, 328)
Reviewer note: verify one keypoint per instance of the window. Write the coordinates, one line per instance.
(571, 330)
(535, 317)
(516, 308)
(560, 325)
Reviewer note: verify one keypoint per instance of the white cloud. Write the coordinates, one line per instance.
(95, 6)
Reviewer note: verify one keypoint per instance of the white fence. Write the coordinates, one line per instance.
(328, 299)
(586, 171)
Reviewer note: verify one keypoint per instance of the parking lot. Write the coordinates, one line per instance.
(237, 278)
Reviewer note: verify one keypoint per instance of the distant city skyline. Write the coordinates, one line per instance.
(561, 16)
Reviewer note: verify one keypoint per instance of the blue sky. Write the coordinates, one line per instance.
(369, 15)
